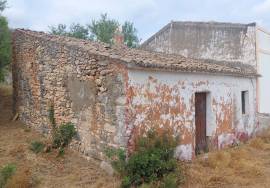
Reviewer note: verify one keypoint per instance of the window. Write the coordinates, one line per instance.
(244, 99)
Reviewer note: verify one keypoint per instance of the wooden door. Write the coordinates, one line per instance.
(200, 122)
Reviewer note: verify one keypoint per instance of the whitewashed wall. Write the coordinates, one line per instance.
(263, 58)
(149, 105)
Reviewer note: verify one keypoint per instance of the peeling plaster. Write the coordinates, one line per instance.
(165, 100)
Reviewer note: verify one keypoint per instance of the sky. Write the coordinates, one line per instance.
(148, 16)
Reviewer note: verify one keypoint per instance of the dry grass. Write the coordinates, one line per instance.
(43, 170)
(243, 166)
(21, 179)
(258, 143)
(6, 90)
(219, 159)
(246, 165)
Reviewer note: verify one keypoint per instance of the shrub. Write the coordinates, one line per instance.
(6, 173)
(37, 146)
(63, 135)
(51, 116)
(126, 182)
(61, 152)
(118, 157)
(151, 161)
(169, 181)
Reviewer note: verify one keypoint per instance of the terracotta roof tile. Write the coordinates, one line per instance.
(141, 58)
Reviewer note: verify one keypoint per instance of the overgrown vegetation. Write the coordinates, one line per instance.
(102, 30)
(22, 178)
(5, 42)
(62, 135)
(37, 146)
(6, 173)
(51, 117)
(241, 165)
(152, 162)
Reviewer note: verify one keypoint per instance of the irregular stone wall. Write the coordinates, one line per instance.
(86, 89)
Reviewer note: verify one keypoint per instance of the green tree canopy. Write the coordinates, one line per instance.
(3, 5)
(75, 30)
(103, 29)
(78, 31)
(130, 35)
(5, 42)
(60, 29)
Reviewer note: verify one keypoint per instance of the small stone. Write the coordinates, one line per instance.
(98, 82)
(107, 168)
(104, 72)
(102, 89)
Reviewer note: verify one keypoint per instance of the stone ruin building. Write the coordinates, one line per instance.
(113, 94)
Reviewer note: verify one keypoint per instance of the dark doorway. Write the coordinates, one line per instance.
(200, 122)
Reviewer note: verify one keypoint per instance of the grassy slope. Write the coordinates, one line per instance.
(42, 170)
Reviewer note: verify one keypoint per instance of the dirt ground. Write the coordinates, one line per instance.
(43, 170)
(246, 165)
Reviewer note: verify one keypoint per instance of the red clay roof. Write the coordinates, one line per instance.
(146, 59)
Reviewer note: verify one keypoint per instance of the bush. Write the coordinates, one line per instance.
(5, 47)
(169, 181)
(6, 173)
(151, 161)
(61, 152)
(126, 182)
(118, 157)
(37, 146)
(63, 135)
(51, 116)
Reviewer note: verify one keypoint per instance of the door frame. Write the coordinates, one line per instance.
(206, 101)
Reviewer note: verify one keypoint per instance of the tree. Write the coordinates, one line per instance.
(130, 35)
(78, 31)
(103, 30)
(3, 5)
(5, 42)
(60, 29)
(75, 30)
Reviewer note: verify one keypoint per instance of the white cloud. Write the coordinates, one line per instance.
(38, 15)
(263, 7)
(148, 15)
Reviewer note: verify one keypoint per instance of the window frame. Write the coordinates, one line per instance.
(244, 102)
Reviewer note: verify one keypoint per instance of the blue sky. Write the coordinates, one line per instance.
(147, 15)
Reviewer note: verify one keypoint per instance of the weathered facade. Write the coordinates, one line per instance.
(207, 40)
(230, 43)
(113, 94)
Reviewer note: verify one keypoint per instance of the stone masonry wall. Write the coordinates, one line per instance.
(86, 89)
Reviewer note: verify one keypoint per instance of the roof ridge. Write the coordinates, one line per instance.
(139, 57)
